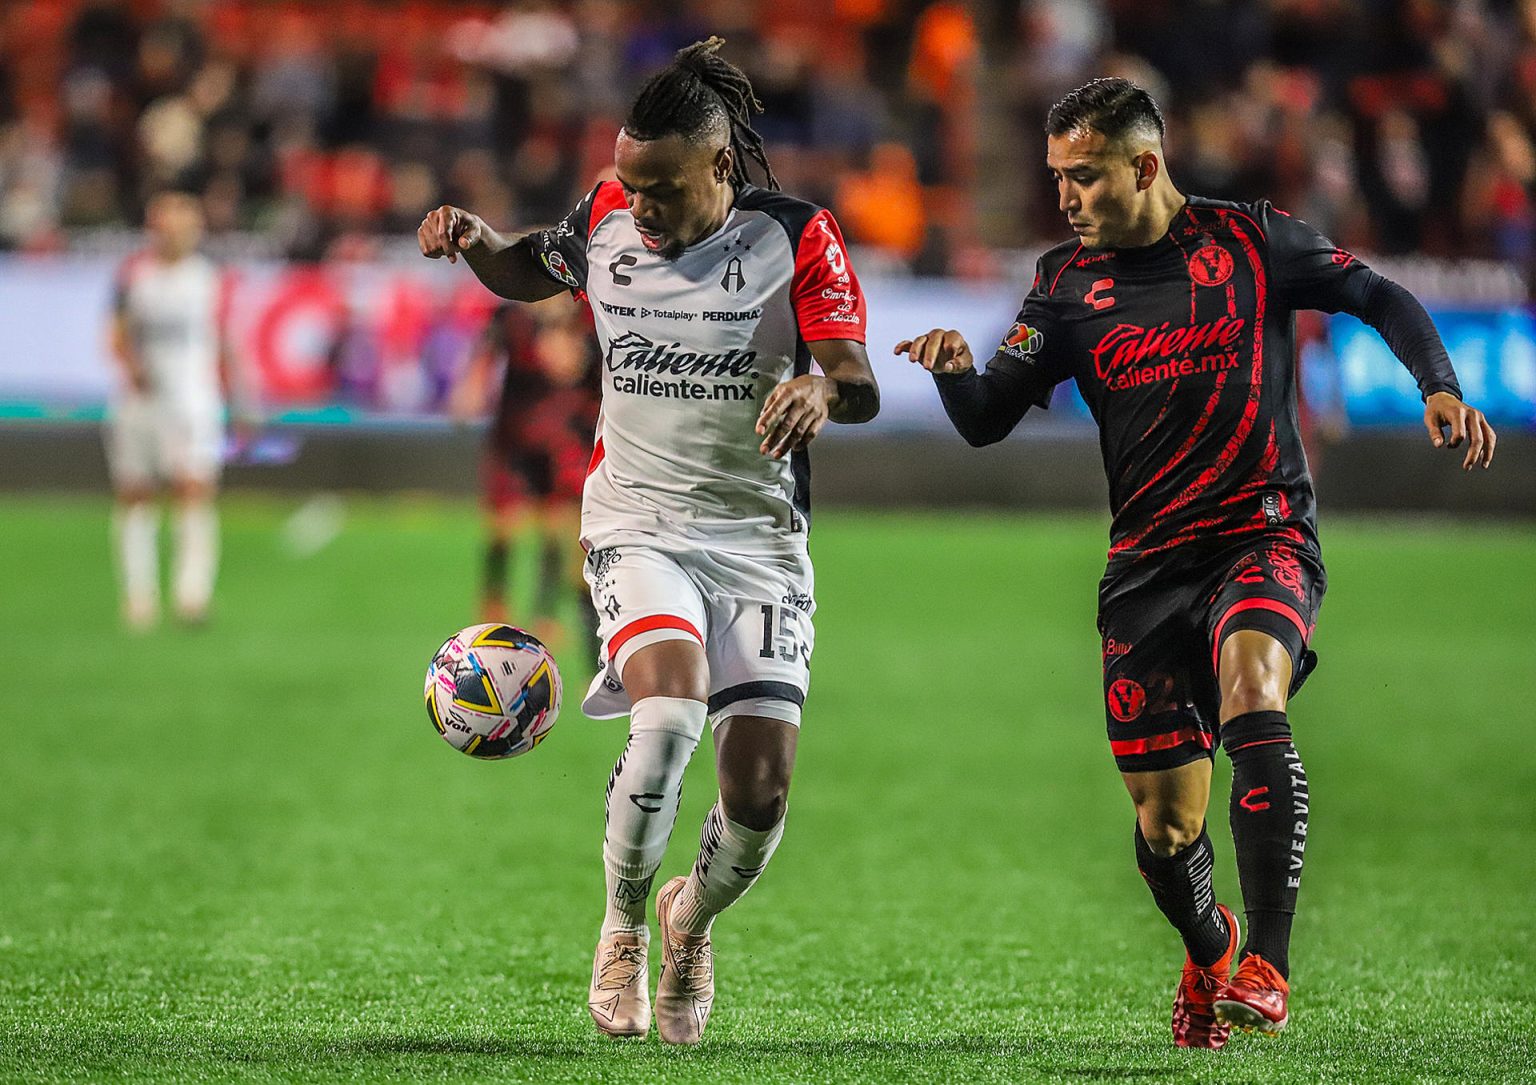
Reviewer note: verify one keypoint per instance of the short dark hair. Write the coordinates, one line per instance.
(1114, 106)
(699, 92)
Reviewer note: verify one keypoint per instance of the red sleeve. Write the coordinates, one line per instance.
(829, 303)
(606, 199)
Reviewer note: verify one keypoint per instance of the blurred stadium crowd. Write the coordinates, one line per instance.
(314, 129)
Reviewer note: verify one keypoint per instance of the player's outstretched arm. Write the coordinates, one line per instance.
(508, 268)
(984, 407)
(845, 391)
(1444, 413)
(1314, 274)
(1403, 322)
(939, 351)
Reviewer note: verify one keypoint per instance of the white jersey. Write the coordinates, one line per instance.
(691, 348)
(172, 314)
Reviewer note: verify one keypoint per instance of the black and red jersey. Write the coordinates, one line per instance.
(1184, 351)
(548, 403)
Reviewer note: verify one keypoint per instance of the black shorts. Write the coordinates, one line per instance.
(514, 480)
(1162, 643)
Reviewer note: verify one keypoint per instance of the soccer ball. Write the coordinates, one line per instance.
(493, 691)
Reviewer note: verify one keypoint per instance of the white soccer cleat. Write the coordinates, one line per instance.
(619, 1000)
(686, 990)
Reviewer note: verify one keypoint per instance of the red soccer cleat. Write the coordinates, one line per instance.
(1194, 1018)
(1255, 998)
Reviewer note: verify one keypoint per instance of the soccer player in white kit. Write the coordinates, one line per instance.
(165, 422)
(712, 296)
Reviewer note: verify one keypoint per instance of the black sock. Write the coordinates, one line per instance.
(1181, 886)
(1269, 828)
(551, 583)
(494, 586)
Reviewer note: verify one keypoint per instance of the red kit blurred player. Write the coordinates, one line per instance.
(537, 449)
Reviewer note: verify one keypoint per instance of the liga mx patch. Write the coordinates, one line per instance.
(557, 266)
(1022, 341)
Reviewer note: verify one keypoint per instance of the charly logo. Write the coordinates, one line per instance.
(1127, 345)
(1098, 294)
(619, 278)
(1251, 801)
(1211, 265)
(635, 352)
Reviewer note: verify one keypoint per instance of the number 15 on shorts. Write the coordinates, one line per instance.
(781, 635)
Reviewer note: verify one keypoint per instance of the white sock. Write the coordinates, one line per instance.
(731, 857)
(197, 557)
(136, 528)
(643, 794)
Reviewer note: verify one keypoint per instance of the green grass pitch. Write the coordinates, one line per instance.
(241, 853)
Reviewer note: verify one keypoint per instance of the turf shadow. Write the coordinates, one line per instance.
(373, 1046)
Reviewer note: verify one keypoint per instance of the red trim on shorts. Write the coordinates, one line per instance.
(1166, 741)
(1274, 605)
(598, 452)
(645, 625)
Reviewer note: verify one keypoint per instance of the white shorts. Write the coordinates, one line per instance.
(752, 615)
(149, 440)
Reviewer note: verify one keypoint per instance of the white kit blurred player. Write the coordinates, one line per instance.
(165, 425)
(711, 297)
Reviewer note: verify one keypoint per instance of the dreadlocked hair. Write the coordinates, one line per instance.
(695, 93)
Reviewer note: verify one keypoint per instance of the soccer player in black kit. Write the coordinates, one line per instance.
(1174, 316)
(538, 447)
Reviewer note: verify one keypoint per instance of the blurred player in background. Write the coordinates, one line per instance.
(1173, 315)
(165, 422)
(543, 361)
(711, 297)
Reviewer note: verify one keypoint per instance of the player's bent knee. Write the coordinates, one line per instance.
(1170, 806)
(1169, 830)
(191, 489)
(1255, 689)
(758, 806)
(134, 495)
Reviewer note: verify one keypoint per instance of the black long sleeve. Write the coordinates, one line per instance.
(985, 407)
(1402, 321)
(1316, 274)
